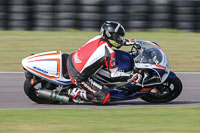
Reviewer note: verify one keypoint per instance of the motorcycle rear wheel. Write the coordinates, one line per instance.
(30, 91)
(167, 92)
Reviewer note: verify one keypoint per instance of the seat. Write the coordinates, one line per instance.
(64, 66)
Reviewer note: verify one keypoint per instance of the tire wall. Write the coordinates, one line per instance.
(88, 15)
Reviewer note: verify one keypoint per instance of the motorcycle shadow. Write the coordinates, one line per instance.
(141, 103)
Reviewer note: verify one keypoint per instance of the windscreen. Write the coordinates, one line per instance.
(149, 54)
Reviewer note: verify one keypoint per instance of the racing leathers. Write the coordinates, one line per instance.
(88, 60)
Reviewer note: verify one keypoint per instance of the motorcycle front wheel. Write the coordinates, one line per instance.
(166, 92)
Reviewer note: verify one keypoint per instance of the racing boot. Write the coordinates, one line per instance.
(95, 92)
(81, 96)
(103, 97)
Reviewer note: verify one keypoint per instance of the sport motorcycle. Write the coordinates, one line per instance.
(47, 80)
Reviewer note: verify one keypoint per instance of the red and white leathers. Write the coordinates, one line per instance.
(90, 58)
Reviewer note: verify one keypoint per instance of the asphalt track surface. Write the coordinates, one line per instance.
(12, 95)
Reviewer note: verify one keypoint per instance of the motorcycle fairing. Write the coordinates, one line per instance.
(153, 58)
(123, 93)
(172, 75)
(47, 65)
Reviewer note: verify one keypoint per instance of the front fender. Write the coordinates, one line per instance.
(172, 75)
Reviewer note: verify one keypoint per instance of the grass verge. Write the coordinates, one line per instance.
(183, 49)
(151, 120)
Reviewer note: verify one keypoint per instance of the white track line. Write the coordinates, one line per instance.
(187, 72)
(12, 72)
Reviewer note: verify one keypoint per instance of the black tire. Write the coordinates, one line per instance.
(184, 10)
(66, 8)
(19, 8)
(89, 16)
(2, 16)
(90, 9)
(185, 18)
(115, 17)
(160, 16)
(44, 22)
(45, 15)
(18, 16)
(185, 25)
(160, 24)
(63, 28)
(183, 3)
(137, 24)
(2, 8)
(114, 9)
(138, 16)
(198, 25)
(138, 2)
(89, 29)
(30, 91)
(17, 28)
(41, 28)
(2, 23)
(18, 23)
(65, 23)
(89, 24)
(159, 2)
(198, 10)
(67, 2)
(90, 2)
(43, 8)
(161, 9)
(66, 15)
(43, 2)
(172, 87)
(2, 2)
(138, 9)
(18, 2)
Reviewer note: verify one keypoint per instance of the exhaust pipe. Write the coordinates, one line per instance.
(48, 94)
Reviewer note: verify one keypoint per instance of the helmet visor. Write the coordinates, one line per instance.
(118, 38)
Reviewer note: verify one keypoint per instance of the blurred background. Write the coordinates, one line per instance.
(88, 15)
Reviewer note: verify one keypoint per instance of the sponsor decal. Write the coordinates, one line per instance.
(89, 88)
(66, 82)
(39, 69)
(113, 64)
(95, 84)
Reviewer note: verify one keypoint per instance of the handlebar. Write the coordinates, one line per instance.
(137, 47)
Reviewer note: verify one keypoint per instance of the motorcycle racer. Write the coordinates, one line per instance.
(94, 55)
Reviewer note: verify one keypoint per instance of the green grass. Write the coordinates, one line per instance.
(183, 49)
(147, 120)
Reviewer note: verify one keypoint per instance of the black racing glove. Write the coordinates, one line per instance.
(133, 42)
